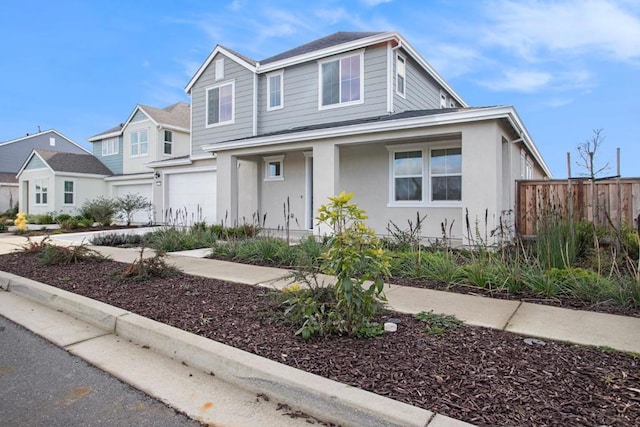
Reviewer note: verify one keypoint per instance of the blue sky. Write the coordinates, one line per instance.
(568, 67)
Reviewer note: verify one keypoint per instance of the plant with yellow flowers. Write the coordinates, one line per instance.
(360, 265)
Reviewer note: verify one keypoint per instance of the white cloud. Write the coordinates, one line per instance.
(373, 3)
(572, 28)
(519, 81)
(331, 16)
(559, 102)
(452, 60)
(235, 5)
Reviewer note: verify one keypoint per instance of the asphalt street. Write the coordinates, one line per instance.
(43, 385)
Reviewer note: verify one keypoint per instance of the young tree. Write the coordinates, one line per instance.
(130, 204)
(587, 152)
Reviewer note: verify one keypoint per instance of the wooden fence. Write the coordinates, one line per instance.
(595, 201)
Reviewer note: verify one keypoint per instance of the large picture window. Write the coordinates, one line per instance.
(341, 81)
(421, 175)
(220, 104)
(139, 140)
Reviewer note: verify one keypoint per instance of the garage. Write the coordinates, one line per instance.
(190, 197)
(142, 217)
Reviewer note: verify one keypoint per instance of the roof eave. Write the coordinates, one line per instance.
(203, 67)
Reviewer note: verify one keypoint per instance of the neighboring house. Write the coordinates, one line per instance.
(52, 181)
(8, 191)
(13, 154)
(149, 135)
(354, 111)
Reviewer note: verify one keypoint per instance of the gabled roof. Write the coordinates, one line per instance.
(28, 136)
(176, 116)
(334, 39)
(69, 162)
(336, 43)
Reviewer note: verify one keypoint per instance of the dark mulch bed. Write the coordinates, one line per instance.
(479, 375)
(526, 296)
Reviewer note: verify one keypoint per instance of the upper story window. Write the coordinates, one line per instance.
(341, 81)
(529, 170)
(274, 168)
(219, 69)
(110, 146)
(168, 142)
(220, 104)
(420, 175)
(275, 97)
(401, 75)
(69, 192)
(41, 191)
(139, 140)
(443, 99)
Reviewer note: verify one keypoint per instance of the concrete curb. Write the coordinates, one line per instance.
(318, 396)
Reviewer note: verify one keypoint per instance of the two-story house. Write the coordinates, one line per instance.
(362, 112)
(148, 135)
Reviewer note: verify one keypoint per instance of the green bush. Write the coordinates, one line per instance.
(129, 204)
(101, 210)
(118, 239)
(41, 219)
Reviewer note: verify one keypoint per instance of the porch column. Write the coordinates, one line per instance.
(227, 189)
(481, 180)
(326, 178)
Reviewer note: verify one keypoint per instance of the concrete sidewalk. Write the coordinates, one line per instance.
(315, 395)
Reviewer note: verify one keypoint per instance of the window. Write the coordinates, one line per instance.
(523, 163)
(407, 176)
(443, 100)
(41, 191)
(220, 69)
(139, 143)
(401, 74)
(446, 174)
(529, 170)
(273, 168)
(220, 104)
(422, 176)
(341, 81)
(274, 91)
(168, 140)
(110, 146)
(52, 141)
(68, 192)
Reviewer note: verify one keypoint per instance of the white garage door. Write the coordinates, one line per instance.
(191, 197)
(141, 189)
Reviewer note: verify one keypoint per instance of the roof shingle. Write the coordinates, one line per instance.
(70, 162)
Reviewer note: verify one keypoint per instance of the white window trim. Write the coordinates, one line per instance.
(426, 176)
(339, 58)
(116, 146)
(269, 76)
(403, 94)
(443, 99)
(35, 192)
(219, 69)
(523, 164)
(164, 142)
(138, 143)
(529, 169)
(233, 104)
(443, 202)
(73, 193)
(271, 159)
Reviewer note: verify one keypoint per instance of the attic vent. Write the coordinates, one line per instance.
(52, 141)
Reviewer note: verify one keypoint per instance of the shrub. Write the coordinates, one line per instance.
(117, 239)
(49, 254)
(438, 324)
(129, 204)
(145, 268)
(101, 210)
(41, 219)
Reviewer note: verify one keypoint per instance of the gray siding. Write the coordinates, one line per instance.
(13, 155)
(35, 163)
(139, 116)
(422, 91)
(113, 162)
(243, 124)
(301, 96)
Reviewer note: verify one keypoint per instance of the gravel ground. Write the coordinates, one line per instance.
(478, 375)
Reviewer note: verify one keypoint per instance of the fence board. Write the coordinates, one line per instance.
(537, 200)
